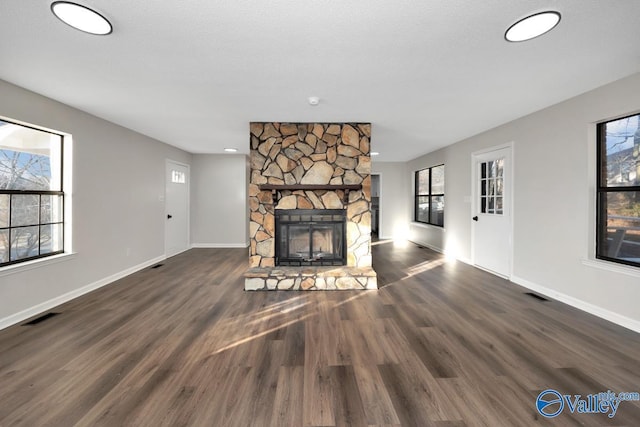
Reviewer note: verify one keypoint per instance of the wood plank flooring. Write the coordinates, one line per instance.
(440, 344)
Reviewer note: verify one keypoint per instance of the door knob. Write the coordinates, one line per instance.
(475, 218)
(169, 216)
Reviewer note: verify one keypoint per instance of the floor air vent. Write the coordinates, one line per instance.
(157, 266)
(40, 319)
(536, 296)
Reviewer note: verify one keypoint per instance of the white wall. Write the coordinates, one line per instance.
(119, 178)
(554, 183)
(394, 209)
(219, 212)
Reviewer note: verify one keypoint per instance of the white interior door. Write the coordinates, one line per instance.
(492, 210)
(176, 208)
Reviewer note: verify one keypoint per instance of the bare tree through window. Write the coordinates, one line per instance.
(31, 198)
(618, 231)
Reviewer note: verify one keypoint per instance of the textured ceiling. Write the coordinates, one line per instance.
(425, 73)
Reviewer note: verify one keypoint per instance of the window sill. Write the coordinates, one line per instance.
(36, 263)
(612, 266)
(427, 226)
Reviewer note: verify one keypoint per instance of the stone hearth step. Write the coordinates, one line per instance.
(310, 278)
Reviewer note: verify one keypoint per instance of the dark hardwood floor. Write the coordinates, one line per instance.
(440, 344)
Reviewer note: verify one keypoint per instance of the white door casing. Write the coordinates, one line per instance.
(177, 179)
(492, 210)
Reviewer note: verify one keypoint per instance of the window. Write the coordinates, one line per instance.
(31, 197)
(178, 177)
(618, 198)
(429, 193)
(492, 187)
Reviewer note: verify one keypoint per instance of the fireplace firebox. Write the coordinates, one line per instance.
(310, 237)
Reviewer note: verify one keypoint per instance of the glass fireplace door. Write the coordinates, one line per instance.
(322, 241)
(298, 242)
(306, 237)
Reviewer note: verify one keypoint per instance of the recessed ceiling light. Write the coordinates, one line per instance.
(374, 153)
(230, 150)
(532, 26)
(314, 100)
(81, 18)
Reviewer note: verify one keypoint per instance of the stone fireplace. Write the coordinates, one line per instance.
(310, 207)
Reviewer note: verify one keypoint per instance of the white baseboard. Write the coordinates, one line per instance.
(449, 256)
(464, 260)
(220, 245)
(611, 316)
(54, 302)
(427, 245)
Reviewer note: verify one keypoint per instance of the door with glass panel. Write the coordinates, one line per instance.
(176, 208)
(492, 213)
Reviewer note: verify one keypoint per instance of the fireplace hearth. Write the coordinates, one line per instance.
(310, 237)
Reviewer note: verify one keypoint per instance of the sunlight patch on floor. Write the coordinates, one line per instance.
(282, 313)
(425, 266)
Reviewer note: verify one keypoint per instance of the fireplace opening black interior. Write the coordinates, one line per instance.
(314, 237)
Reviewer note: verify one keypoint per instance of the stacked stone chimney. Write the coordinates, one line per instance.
(310, 166)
